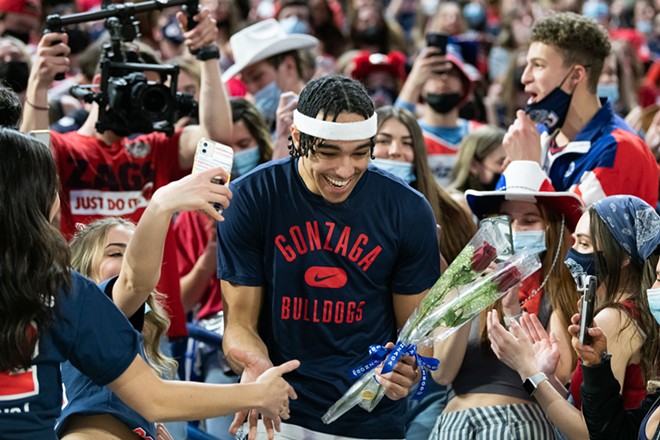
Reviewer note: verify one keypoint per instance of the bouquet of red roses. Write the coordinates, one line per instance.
(462, 292)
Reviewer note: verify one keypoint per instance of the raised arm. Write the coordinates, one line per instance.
(214, 109)
(50, 60)
(140, 269)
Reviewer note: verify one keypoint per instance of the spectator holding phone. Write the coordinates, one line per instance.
(439, 81)
(126, 259)
(614, 240)
(602, 405)
(582, 145)
(50, 314)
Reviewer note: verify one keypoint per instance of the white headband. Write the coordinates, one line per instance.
(336, 131)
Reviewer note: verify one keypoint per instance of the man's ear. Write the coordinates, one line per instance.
(295, 136)
(96, 79)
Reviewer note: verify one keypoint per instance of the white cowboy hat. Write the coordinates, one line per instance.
(525, 181)
(263, 40)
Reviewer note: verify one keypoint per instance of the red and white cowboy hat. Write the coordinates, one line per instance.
(525, 181)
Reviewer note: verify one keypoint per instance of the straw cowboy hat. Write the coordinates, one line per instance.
(263, 40)
(525, 181)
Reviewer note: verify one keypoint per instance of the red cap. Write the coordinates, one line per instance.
(365, 63)
(25, 7)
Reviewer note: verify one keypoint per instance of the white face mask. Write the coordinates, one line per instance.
(653, 297)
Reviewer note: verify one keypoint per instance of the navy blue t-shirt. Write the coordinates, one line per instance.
(328, 271)
(91, 333)
(83, 397)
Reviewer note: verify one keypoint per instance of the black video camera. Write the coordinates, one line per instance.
(128, 102)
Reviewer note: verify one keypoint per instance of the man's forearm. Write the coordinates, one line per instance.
(244, 339)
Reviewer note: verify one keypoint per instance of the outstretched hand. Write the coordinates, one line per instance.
(254, 365)
(277, 392)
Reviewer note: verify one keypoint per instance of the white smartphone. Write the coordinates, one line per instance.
(211, 154)
(42, 136)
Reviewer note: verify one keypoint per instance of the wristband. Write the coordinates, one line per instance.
(208, 53)
(37, 107)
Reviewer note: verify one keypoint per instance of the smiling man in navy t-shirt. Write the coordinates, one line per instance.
(321, 255)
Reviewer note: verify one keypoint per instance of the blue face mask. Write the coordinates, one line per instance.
(245, 161)
(609, 91)
(580, 264)
(645, 27)
(653, 296)
(267, 100)
(402, 170)
(551, 111)
(293, 25)
(533, 241)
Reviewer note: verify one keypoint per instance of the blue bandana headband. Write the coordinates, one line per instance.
(634, 224)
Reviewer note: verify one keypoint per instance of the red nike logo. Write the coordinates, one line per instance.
(328, 277)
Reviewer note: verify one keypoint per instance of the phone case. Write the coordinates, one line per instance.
(42, 136)
(211, 154)
(587, 309)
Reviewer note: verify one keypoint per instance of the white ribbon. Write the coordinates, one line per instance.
(336, 131)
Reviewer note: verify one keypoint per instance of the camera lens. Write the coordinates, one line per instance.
(205, 144)
(204, 151)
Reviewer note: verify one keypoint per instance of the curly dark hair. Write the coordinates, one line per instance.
(580, 40)
(10, 116)
(35, 256)
(330, 96)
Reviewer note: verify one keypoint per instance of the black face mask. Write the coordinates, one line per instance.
(490, 186)
(374, 35)
(23, 36)
(443, 102)
(15, 74)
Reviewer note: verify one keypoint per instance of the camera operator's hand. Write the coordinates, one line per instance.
(52, 58)
(203, 34)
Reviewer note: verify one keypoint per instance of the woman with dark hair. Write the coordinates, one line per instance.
(615, 240)
(50, 314)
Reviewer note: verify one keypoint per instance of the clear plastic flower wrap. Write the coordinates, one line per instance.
(460, 294)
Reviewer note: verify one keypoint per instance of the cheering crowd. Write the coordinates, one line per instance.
(142, 296)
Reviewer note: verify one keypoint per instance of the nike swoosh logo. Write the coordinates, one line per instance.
(319, 279)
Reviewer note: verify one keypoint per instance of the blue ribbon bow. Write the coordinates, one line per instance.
(378, 354)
